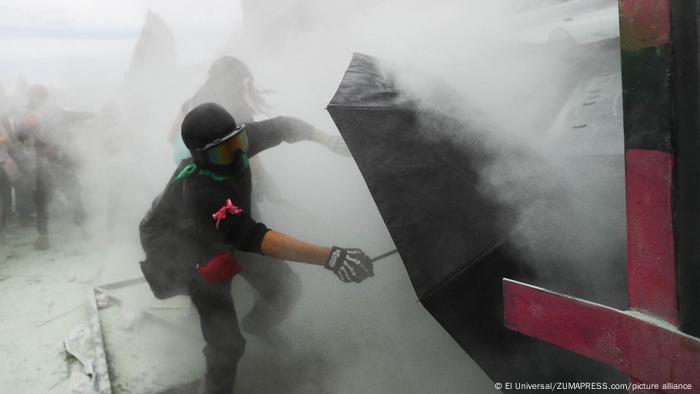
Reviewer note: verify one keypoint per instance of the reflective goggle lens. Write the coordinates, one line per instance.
(226, 152)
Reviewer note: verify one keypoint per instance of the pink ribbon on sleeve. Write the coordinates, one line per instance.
(224, 211)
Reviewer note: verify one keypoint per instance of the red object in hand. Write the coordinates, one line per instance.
(219, 269)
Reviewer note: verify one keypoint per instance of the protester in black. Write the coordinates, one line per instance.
(230, 84)
(195, 228)
(56, 168)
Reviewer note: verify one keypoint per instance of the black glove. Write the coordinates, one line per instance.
(351, 265)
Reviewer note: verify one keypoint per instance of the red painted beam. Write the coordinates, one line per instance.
(651, 264)
(650, 351)
(644, 23)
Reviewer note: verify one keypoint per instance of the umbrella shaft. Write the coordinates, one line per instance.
(383, 255)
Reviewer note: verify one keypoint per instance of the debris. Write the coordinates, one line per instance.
(80, 346)
(103, 300)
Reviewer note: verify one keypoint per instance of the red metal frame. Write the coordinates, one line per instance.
(648, 23)
(645, 348)
(651, 273)
(643, 342)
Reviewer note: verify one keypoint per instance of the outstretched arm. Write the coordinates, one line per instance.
(350, 265)
(281, 246)
(236, 228)
(333, 142)
(272, 132)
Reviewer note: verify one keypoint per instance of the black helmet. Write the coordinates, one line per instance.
(213, 138)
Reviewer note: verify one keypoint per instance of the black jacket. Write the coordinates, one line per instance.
(179, 230)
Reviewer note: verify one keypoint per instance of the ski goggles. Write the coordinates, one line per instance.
(224, 150)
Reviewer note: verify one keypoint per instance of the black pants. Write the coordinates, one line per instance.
(49, 177)
(24, 201)
(219, 323)
(278, 289)
(5, 199)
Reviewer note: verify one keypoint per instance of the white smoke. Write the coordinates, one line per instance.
(371, 338)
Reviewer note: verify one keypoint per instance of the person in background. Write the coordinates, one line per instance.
(230, 84)
(8, 172)
(21, 150)
(195, 228)
(56, 166)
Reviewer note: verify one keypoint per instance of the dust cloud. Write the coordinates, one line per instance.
(373, 337)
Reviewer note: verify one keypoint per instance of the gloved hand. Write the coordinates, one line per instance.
(337, 145)
(351, 265)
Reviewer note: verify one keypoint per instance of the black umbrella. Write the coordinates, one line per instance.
(422, 168)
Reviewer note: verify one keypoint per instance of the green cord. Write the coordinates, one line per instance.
(191, 168)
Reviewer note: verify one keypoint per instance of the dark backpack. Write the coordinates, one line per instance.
(169, 264)
(172, 248)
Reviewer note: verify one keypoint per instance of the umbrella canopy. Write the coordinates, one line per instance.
(422, 167)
